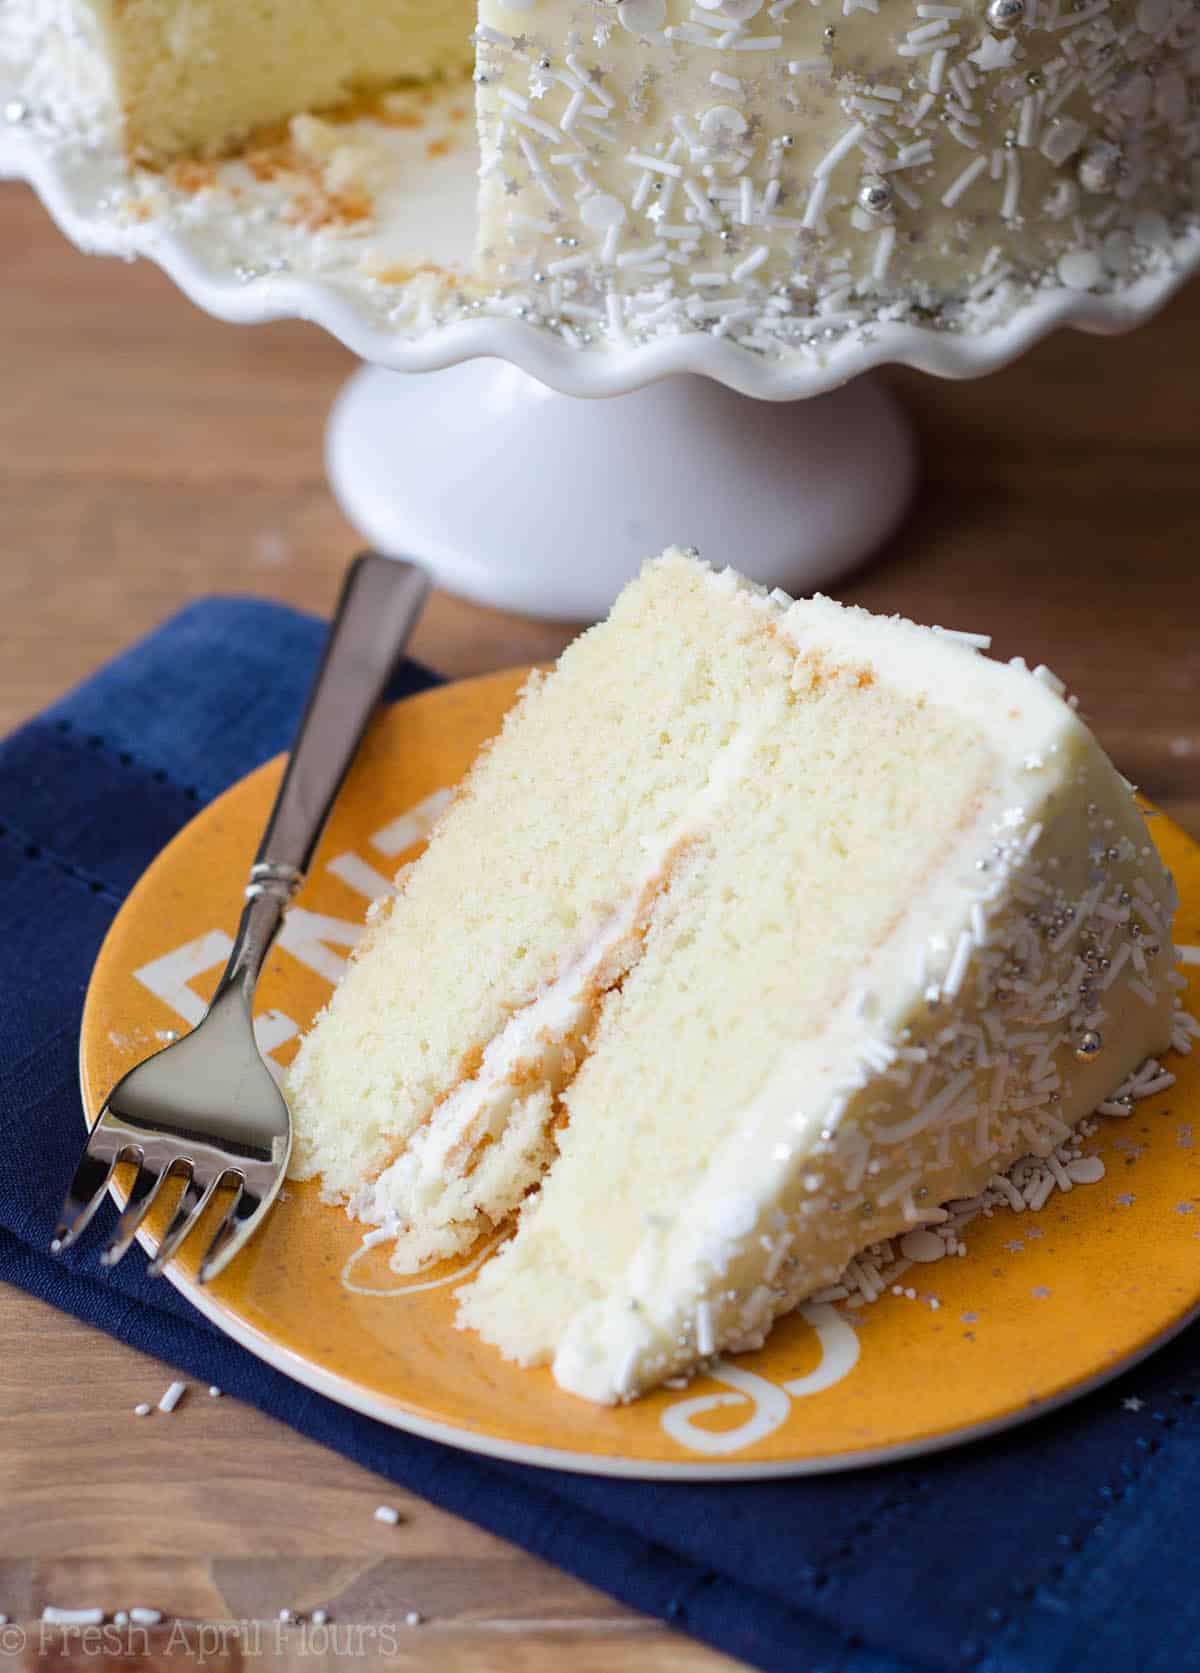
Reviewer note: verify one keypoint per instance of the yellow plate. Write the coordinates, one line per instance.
(1044, 1306)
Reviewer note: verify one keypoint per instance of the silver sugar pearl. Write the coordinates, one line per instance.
(787, 141)
(875, 196)
(1005, 14)
(829, 32)
(1089, 1045)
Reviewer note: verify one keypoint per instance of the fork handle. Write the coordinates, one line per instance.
(380, 601)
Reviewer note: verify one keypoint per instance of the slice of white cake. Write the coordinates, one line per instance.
(762, 930)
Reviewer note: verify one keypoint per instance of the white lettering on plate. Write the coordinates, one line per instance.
(369, 1242)
(372, 885)
(411, 827)
(310, 937)
(770, 1403)
(305, 935)
(168, 977)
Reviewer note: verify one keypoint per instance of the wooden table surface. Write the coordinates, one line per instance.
(149, 454)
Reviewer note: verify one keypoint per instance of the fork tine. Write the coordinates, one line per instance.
(141, 1198)
(83, 1198)
(242, 1219)
(191, 1206)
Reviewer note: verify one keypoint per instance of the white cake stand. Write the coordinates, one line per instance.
(500, 468)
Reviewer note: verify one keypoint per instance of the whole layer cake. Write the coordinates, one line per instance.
(733, 166)
(761, 931)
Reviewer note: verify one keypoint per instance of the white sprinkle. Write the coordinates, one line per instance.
(1160, 1083)
(977, 641)
(884, 246)
(319, 1617)
(956, 974)
(145, 1617)
(922, 1246)
(927, 31)
(655, 164)
(957, 187)
(1008, 1190)
(388, 1514)
(1027, 121)
(1086, 1170)
(174, 1394)
(812, 209)
(705, 1340)
(1049, 678)
(750, 263)
(900, 1187)
(413, 1618)
(142, 1409)
(214, 1393)
(918, 49)
(927, 1116)
(72, 1617)
(836, 152)
(1061, 1177)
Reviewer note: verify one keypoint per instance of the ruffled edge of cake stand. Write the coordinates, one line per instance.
(77, 185)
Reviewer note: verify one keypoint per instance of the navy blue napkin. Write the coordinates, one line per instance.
(1070, 1542)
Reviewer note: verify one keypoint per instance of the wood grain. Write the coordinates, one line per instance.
(151, 455)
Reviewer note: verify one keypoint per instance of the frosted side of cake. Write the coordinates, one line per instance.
(729, 166)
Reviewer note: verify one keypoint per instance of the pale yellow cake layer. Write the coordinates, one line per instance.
(198, 75)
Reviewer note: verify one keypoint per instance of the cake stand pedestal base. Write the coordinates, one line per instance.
(528, 500)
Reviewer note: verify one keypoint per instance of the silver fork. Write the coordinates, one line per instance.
(207, 1107)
